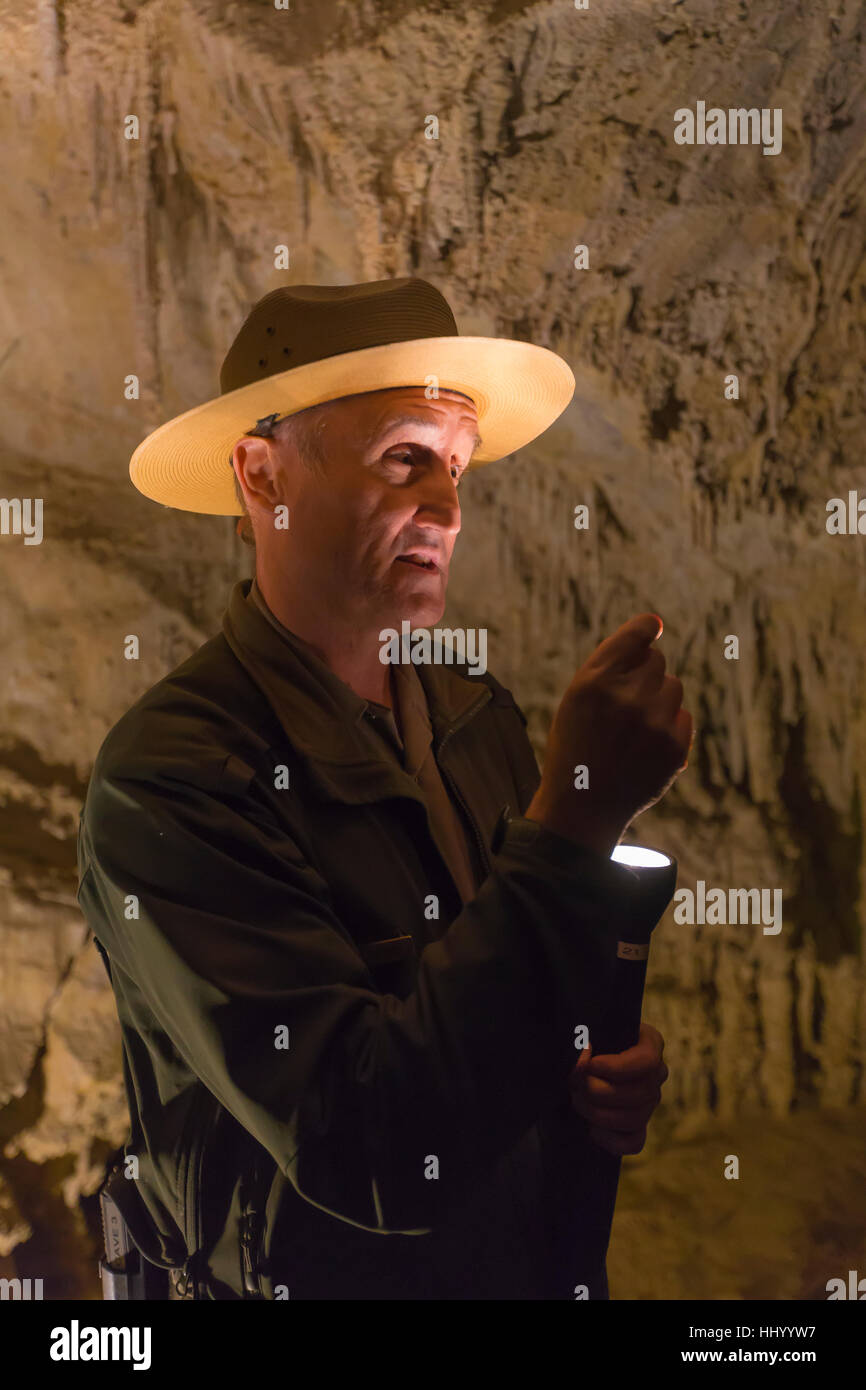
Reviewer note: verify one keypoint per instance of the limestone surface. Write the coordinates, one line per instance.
(309, 129)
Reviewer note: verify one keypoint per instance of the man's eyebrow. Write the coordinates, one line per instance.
(399, 421)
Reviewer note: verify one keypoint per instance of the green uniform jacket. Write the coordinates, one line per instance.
(297, 1018)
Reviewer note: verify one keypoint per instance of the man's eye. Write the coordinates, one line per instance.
(408, 458)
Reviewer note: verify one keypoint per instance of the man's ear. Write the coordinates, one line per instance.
(256, 452)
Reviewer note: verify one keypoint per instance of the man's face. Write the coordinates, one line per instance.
(393, 460)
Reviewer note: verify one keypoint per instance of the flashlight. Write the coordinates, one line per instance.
(649, 889)
(648, 886)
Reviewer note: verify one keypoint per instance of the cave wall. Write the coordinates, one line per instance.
(306, 128)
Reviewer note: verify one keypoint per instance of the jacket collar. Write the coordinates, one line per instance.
(321, 715)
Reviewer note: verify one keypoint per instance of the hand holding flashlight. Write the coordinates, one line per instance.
(617, 1094)
(620, 717)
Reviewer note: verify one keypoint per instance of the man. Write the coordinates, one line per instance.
(351, 932)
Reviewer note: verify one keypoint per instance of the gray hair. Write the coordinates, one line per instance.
(304, 430)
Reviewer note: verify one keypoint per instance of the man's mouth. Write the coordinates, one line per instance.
(419, 561)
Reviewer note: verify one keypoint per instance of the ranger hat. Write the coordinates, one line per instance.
(302, 345)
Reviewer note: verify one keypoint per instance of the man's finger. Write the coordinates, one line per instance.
(633, 1065)
(684, 732)
(625, 1120)
(628, 646)
(608, 1096)
(628, 1087)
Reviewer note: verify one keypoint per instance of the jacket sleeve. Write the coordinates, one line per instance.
(382, 1112)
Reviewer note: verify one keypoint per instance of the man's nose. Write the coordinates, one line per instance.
(437, 496)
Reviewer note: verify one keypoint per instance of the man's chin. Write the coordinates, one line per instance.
(418, 610)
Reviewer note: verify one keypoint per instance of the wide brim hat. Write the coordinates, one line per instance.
(302, 345)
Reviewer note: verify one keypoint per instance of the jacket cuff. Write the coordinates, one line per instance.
(530, 838)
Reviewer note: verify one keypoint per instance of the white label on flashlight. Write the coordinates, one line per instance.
(631, 950)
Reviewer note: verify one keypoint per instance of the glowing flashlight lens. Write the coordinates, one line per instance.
(638, 858)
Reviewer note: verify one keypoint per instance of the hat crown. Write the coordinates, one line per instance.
(299, 324)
